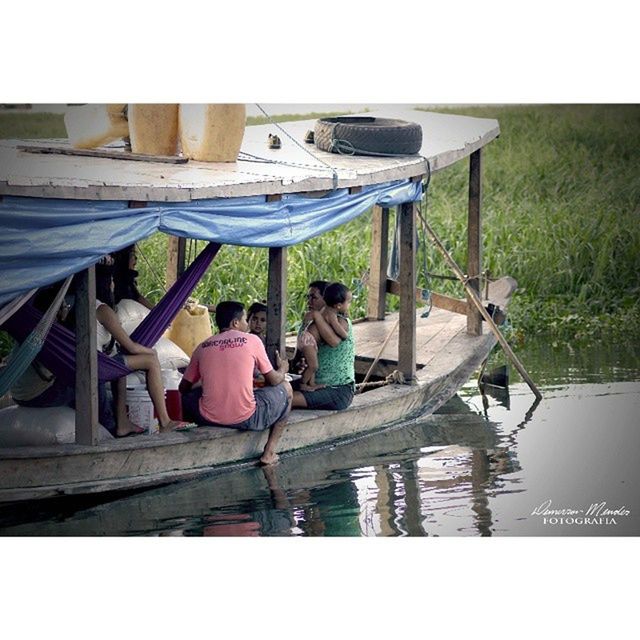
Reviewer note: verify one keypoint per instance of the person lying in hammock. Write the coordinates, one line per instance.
(133, 355)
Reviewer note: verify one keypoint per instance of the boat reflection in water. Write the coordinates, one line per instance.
(430, 476)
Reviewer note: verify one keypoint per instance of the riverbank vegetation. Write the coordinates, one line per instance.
(561, 194)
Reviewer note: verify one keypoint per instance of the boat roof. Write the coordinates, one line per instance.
(60, 213)
(294, 168)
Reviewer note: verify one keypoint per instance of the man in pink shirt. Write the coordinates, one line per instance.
(225, 364)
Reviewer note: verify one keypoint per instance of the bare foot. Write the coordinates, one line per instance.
(126, 428)
(269, 458)
(177, 425)
(170, 426)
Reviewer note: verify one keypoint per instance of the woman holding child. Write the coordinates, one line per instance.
(328, 346)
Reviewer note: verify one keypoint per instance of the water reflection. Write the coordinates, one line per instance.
(396, 483)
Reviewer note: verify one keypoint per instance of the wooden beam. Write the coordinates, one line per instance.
(182, 255)
(176, 258)
(474, 239)
(86, 359)
(457, 305)
(172, 261)
(112, 154)
(376, 302)
(277, 303)
(407, 330)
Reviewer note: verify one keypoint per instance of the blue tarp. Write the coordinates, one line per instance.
(45, 240)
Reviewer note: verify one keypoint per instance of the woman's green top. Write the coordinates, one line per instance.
(336, 364)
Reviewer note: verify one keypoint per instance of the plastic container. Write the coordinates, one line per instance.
(190, 327)
(93, 125)
(171, 381)
(212, 132)
(153, 129)
(140, 408)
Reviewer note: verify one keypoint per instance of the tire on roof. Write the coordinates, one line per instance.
(361, 135)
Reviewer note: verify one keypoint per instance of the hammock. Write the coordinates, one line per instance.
(58, 351)
(25, 354)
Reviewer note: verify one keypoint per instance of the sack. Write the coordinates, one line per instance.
(131, 314)
(171, 356)
(32, 427)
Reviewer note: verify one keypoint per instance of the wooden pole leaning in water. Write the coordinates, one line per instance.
(473, 296)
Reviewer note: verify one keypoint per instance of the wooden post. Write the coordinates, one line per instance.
(474, 240)
(86, 359)
(175, 259)
(277, 303)
(376, 304)
(172, 261)
(182, 255)
(407, 332)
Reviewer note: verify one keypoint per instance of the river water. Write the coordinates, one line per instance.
(498, 465)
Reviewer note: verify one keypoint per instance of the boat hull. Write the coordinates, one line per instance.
(42, 472)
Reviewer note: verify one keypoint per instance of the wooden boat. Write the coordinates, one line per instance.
(436, 355)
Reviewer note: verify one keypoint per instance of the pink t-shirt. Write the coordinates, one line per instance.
(225, 364)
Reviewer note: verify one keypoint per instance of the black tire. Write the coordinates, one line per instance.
(362, 135)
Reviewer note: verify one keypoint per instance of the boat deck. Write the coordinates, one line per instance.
(433, 334)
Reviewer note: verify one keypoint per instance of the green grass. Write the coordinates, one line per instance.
(561, 214)
(31, 125)
(561, 194)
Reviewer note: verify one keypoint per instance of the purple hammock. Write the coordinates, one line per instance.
(58, 351)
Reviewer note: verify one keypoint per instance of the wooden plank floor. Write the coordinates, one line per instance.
(432, 335)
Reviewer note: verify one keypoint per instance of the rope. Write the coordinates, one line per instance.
(286, 133)
(250, 157)
(153, 271)
(395, 377)
(425, 271)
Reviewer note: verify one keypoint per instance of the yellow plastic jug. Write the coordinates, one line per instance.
(92, 125)
(191, 326)
(212, 132)
(153, 129)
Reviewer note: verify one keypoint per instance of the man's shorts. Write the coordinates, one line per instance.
(272, 405)
(336, 398)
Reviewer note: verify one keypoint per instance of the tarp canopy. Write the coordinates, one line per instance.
(45, 240)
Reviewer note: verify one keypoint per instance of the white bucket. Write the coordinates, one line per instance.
(140, 408)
